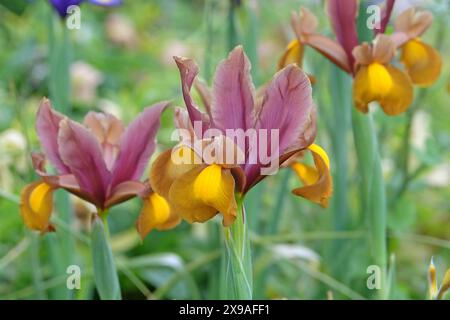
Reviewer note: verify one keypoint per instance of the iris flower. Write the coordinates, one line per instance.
(376, 79)
(99, 161)
(62, 5)
(422, 62)
(199, 189)
(371, 65)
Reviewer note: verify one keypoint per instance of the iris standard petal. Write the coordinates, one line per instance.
(47, 126)
(156, 214)
(108, 131)
(81, 152)
(422, 62)
(137, 145)
(343, 19)
(385, 16)
(386, 84)
(287, 106)
(233, 93)
(36, 205)
(202, 192)
(188, 72)
(318, 185)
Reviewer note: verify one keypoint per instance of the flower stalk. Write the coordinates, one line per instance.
(374, 196)
(239, 278)
(374, 193)
(105, 272)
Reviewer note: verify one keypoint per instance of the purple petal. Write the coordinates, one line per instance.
(343, 19)
(62, 5)
(385, 16)
(106, 3)
(81, 152)
(287, 106)
(137, 145)
(233, 93)
(188, 71)
(47, 126)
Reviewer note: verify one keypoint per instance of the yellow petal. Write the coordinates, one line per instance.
(306, 173)
(156, 214)
(318, 185)
(292, 54)
(386, 84)
(422, 62)
(202, 192)
(36, 205)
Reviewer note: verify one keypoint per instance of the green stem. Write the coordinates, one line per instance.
(339, 127)
(105, 272)
(374, 197)
(374, 193)
(238, 283)
(340, 92)
(36, 268)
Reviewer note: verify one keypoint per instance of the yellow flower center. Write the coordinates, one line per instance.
(208, 183)
(380, 81)
(38, 197)
(413, 52)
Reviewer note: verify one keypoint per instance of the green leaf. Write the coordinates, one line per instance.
(15, 6)
(105, 272)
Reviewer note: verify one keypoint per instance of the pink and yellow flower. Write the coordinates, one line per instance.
(99, 161)
(198, 190)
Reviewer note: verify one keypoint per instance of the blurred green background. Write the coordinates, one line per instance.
(121, 62)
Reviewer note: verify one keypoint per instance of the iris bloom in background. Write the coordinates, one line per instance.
(376, 79)
(422, 62)
(371, 65)
(99, 161)
(62, 5)
(198, 190)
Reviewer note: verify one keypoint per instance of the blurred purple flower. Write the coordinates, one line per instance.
(62, 5)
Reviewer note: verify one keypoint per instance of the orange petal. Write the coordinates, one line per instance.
(202, 192)
(385, 84)
(36, 206)
(318, 185)
(156, 214)
(165, 171)
(422, 62)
